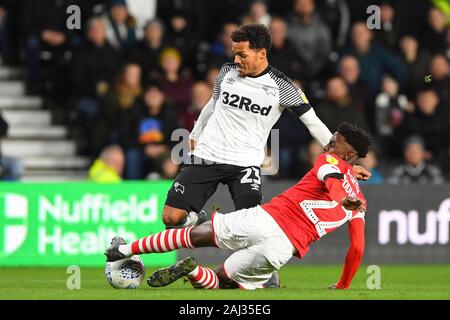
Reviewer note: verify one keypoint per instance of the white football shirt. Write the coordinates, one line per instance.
(236, 123)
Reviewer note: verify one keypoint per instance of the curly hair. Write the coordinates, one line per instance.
(356, 137)
(256, 34)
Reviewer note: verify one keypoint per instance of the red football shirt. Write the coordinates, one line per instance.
(308, 210)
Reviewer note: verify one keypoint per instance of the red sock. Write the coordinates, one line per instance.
(204, 278)
(164, 241)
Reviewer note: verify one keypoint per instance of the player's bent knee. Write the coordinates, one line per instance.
(172, 216)
(224, 281)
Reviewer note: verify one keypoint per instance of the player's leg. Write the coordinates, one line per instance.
(234, 231)
(164, 241)
(199, 276)
(245, 187)
(247, 269)
(193, 186)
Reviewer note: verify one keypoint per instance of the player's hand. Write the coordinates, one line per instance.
(352, 203)
(361, 173)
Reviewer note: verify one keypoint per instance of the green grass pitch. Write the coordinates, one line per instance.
(298, 282)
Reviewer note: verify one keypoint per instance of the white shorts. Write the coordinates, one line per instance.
(262, 246)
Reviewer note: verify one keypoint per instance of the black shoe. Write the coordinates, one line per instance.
(166, 276)
(273, 282)
(202, 217)
(113, 253)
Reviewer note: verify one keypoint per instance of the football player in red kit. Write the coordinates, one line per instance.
(265, 237)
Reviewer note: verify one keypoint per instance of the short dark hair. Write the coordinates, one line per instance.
(356, 137)
(256, 34)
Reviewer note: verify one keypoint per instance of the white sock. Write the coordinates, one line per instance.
(191, 219)
(126, 249)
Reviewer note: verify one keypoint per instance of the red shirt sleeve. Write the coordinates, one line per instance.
(354, 253)
(335, 189)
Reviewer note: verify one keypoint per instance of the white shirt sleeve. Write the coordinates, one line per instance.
(316, 127)
(202, 120)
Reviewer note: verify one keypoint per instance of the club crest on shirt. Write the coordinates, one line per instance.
(331, 159)
(230, 80)
(270, 91)
(179, 187)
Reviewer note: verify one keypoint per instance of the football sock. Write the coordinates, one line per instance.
(191, 219)
(203, 278)
(164, 241)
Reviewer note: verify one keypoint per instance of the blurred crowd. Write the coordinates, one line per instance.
(138, 69)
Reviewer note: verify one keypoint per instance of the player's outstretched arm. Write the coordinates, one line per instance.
(354, 254)
(316, 127)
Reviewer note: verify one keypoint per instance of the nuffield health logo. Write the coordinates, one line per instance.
(13, 222)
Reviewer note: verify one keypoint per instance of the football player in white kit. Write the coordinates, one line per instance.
(230, 134)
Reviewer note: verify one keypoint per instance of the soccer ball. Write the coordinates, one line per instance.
(125, 273)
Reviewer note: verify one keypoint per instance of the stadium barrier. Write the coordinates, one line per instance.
(59, 224)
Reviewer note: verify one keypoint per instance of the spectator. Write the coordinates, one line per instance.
(440, 76)
(415, 169)
(359, 90)
(220, 51)
(410, 19)
(339, 107)
(146, 53)
(165, 168)
(417, 61)
(336, 14)
(370, 162)
(257, 13)
(390, 108)
(93, 69)
(201, 93)
(373, 59)
(118, 120)
(310, 37)
(388, 34)
(157, 121)
(43, 26)
(183, 38)
(108, 168)
(177, 85)
(282, 54)
(428, 122)
(434, 37)
(142, 11)
(11, 169)
(188, 16)
(120, 25)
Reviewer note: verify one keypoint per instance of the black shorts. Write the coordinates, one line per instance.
(197, 182)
